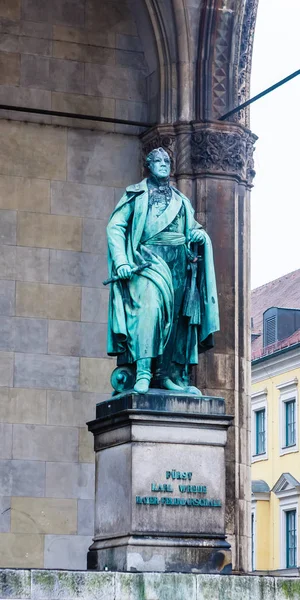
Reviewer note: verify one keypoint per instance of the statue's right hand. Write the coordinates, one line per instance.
(124, 272)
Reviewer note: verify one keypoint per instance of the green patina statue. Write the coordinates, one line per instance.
(163, 307)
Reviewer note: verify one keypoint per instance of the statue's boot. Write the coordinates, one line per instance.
(143, 375)
(161, 378)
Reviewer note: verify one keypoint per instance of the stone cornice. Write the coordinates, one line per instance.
(276, 364)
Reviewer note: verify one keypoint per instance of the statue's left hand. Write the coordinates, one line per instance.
(197, 235)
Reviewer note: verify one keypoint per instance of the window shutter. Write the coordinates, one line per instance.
(270, 330)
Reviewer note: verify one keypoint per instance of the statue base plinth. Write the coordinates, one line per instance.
(160, 484)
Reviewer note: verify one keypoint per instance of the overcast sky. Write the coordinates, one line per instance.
(275, 198)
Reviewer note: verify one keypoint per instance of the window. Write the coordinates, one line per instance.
(287, 490)
(260, 420)
(259, 425)
(291, 538)
(290, 423)
(288, 410)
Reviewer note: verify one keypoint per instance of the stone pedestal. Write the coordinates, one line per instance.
(160, 484)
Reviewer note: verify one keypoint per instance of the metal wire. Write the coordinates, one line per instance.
(258, 96)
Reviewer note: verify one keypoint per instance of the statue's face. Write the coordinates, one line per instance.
(160, 165)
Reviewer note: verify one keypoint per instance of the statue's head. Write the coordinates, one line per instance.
(158, 163)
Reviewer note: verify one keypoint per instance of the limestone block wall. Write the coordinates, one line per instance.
(80, 56)
(57, 189)
(59, 181)
(54, 585)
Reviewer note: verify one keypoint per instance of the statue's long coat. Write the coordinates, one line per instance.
(152, 288)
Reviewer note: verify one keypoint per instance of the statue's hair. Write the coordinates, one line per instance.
(152, 154)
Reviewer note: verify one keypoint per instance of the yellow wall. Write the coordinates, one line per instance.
(270, 470)
(262, 540)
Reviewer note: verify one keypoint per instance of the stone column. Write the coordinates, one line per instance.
(213, 166)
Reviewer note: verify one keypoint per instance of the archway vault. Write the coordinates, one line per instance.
(204, 49)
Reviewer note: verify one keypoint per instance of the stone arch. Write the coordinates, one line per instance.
(224, 57)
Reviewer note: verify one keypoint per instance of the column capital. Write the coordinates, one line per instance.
(223, 149)
(205, 149)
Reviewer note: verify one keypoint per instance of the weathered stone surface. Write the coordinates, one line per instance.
(37, 30)
(84, 53)
(95, 158)
(7, 262)
(86, 446)
(177, 586)
(95, 374)
(41, 371)
(104, 39)
(31, 150)
(20, 550)
(15, 584)
(23, 406)
(9, 68)
(93, 340)
(23, 335)
(43, 515)
(131, 111)
(94, 307)
(115, 17)
(22, 478)
(10, 9)
(18, 193)
(77, 339)
(48, 301)
(66, 551)
(86, 517)
(39, 442)
(69, 13)
(128, 58)
(76, 268)
(52, 74)
(121, 82)
(8, 227)
(33, 45)
(49, 231)
(6, 368)
(70, 480)
(5, 515)
(71, 409)
(20, 96)
(7, 337)
(7, 298)
(93, 201)
(128, 42)
(65, 338)
(94, 236)
(31, 335)
(5, 440)
(9, 43)
(53, 585)
(32, 264)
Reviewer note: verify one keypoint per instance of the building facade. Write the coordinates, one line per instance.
(178, 66)
(275, 425)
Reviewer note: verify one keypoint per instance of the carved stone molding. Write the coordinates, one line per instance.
(219, 150)
(199, 149)
(245, 57)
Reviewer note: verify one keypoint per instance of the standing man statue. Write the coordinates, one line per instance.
(163, 305)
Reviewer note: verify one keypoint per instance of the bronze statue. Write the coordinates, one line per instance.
(163, 307)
